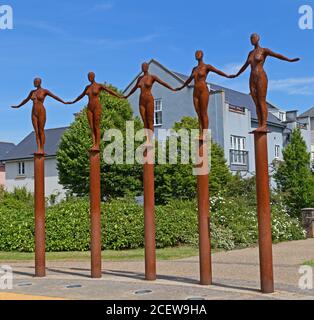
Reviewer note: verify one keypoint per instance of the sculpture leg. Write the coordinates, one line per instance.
(35, 125)
(150, 109)
(97, 117)
(143, 116)
(90, 117)
(42, 136)
(203, 105)
(197, 109)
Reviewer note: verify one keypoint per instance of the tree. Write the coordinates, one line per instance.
(293, 176)
(73, 159)
(178, 182)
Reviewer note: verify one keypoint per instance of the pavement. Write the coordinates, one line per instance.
(235, 277)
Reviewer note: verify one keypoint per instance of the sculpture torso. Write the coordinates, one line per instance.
(93, 91)
(145, 84)
(200, 75)
(257, 59)
(38, 97)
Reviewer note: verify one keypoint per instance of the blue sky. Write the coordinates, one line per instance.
(61, 41)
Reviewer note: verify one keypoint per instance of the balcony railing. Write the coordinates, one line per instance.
(239, 160)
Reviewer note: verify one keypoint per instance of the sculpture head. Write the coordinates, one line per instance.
(145, 67)
(91, 77)
(255, 39)
(37, 83)
(199, 54)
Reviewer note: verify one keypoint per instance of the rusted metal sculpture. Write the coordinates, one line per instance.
(258, 88)
(94, 109)
(201, 98)
(94, 112)
(201, 92)
(258, 78)
(147, 107)
(38, 97)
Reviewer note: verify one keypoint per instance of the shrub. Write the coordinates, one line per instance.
(233, 224)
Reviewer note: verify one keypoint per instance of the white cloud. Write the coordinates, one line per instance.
(109, 42)
(293, 86)
(43, 26)
(103, 6)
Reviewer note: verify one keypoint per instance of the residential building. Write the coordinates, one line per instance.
(309, 114)
(232, 117)
(5, 148)
(19, 163)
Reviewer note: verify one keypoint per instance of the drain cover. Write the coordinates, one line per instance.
(72, 286)
(195, 298)
(141, 292)
(24, 284)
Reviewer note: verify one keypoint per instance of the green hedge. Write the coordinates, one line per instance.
(233, 224)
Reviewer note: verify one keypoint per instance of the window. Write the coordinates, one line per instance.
(282, 116)
(238, 143)
(158, 112)
(277, 151)
(21, 168)
(238, 155)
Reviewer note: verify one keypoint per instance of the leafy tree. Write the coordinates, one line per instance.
(178, 182)
(293, 176)
(73, 157)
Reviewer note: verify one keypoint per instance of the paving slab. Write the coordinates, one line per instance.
(235, 276)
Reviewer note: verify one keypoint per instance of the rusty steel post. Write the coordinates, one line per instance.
(203, 215)
(40, 233)
(149, 214)
(95, 215)
(263, 211)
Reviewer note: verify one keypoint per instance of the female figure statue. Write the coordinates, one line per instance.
(38, 97)
(145, 84)
(94, 109)
(258, 78)
(201, 92)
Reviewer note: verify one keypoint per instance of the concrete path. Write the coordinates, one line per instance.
(235, 273)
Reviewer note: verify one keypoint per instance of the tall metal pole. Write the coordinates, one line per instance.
(203, 215)
(149, 214)
(95, 215)
(40, 233)
(263, 211)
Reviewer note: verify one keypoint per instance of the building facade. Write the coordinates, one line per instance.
(5, 148)
(19, 164)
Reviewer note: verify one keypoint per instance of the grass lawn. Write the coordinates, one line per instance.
(129, 255)
(309, 263)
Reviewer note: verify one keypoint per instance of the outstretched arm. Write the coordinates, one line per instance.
(163, 83)
(24, 101)
(217, 71)
(187, 82)
(244, 67)
(111, 92)
(280, 56)
(80, 97)
(48, 93)
(134, 88)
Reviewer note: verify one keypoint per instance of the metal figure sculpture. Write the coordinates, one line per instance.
(201, 92)
(258, 78)
(94, 109)
(38, 97)
(145, 84)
